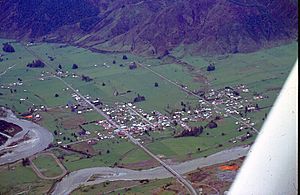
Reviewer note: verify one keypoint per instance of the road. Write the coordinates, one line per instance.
(81, 177)
(142, 117)
(4, 72)
(38, 171)
(196, 95)
(174, 173)
(182, 180)
(9, 137)
(39, 139)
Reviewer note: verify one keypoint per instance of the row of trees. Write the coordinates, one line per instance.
(194, 131)
(139, 98)
(36, 64)
(86, 78)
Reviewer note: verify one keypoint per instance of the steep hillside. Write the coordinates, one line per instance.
(154, 27)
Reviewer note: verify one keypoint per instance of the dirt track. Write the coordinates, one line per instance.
(38, 172)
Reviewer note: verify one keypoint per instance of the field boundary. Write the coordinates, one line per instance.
(40, 174)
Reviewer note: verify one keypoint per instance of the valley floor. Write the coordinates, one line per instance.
(157, 102)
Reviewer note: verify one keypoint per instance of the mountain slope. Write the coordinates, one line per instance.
(154, 27)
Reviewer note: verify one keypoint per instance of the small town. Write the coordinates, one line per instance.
(144, 97)
(212, 106)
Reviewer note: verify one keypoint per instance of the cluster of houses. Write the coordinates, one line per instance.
(219, 103)
(223, 102)
(234, 101)
(133, 119)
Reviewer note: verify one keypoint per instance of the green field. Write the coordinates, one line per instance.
(188, 147)
(127, 188)
(264, 72)
(47, 165)
(16, 178)
(116, 78)
(56, 120)
(108, 152)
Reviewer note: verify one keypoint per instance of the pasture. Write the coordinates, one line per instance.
(16, 178)
(47, 165)
(264, 72)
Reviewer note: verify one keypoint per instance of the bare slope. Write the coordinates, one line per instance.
(154, 27)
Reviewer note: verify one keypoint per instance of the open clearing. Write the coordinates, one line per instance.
(15, 179)
(47, 165)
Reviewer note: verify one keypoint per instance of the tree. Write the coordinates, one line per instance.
(211, 67)
(175, 123)
(125, 57)
(114, 62)
(74, 66)
(139, 98)
(256, 107)
(8, 48)
(132, 66)
(246, 109)
(147, 133)
(36, 64)
(155, 84)
(25, 162)
(212, 125)
(217, 118)
(194, 131)
(59, 66)
(86, 78)
(56, 95)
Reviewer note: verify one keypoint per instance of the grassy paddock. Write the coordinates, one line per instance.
(47, 165)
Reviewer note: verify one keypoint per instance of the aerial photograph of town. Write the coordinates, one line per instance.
(138, 97)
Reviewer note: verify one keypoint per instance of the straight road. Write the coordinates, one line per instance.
(185, 89)
(82, 177)
(182, 180)
(172, 171)
(4, 72)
